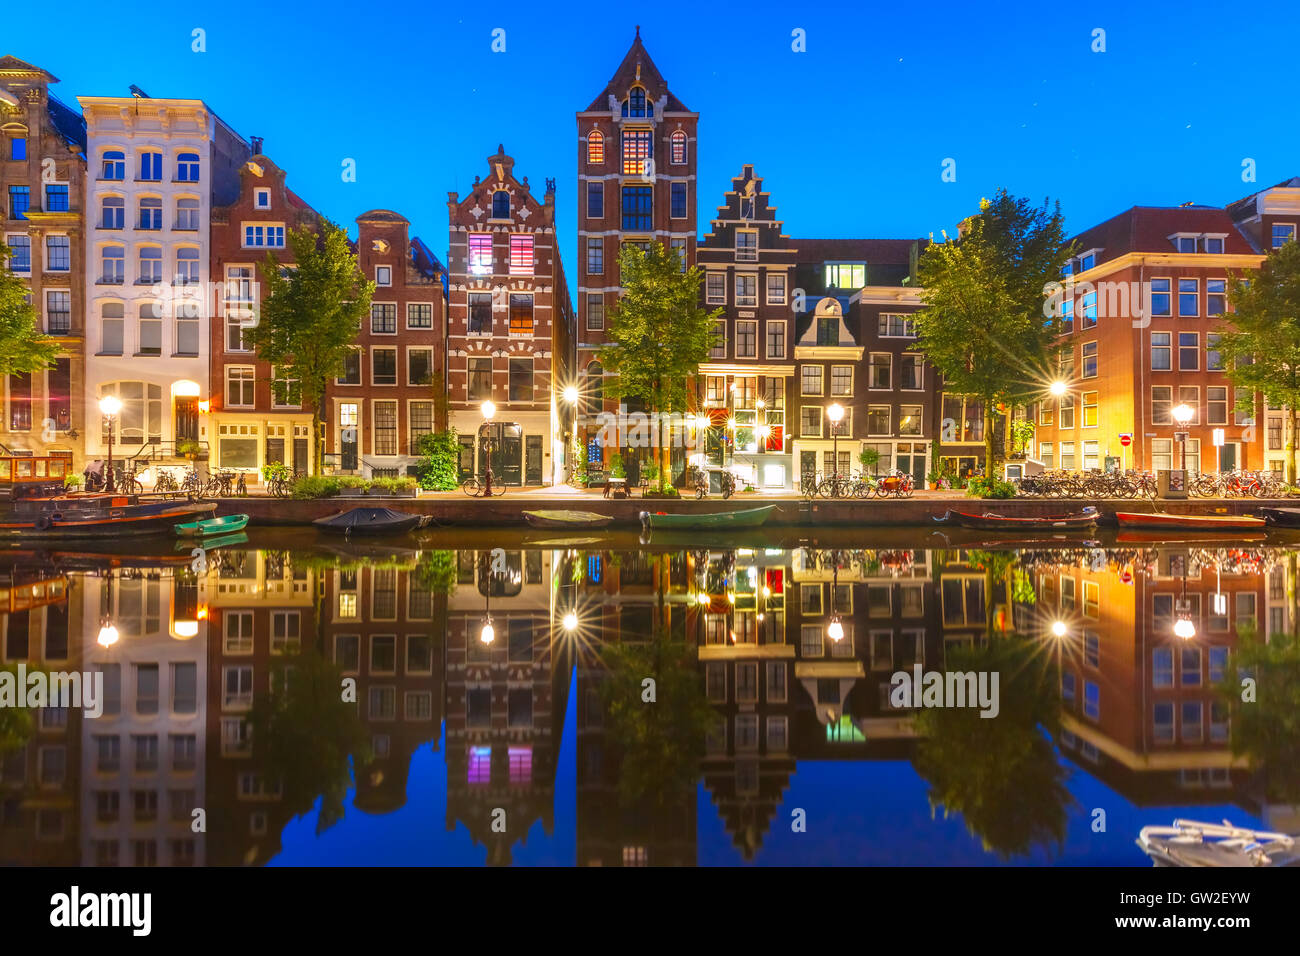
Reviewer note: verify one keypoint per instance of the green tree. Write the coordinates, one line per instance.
(23, 347)
(1260, 341)
(311, 314)
(660, 335)
(439, 462)
(1265, 719)
(983, 325)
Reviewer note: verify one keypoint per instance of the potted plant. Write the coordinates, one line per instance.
(934, 477)
(72, 483)
(188, 448)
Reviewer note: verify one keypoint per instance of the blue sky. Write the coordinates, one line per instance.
(850, 135)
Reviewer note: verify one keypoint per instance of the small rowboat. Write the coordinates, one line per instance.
(1281, 517)
(371, 521)
(744, 518)
(1084, 520)
(567, 519)
(1188, 843)
(226, 524)
(1170, 522)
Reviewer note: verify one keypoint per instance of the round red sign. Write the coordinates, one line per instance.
(1126, 439)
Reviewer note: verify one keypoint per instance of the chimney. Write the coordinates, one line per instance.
(256, 142)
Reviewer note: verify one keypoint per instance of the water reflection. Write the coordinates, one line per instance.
(621, 703)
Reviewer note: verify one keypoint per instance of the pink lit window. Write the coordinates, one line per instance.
(521, 764)
(480, 255)
(521, 255)
(480, 765)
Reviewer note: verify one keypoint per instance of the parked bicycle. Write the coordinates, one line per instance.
(281, 485)
(727, 484)
(896, 484)
(699, 481)
(476, 487)
(166, 484)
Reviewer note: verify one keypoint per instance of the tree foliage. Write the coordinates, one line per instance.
(983, 325)
(1260, 341)
(311, 314)
(1266, 727)
(439, 461)
(23, 347)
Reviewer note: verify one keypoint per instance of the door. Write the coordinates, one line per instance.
(533, 459)
(275, 451)
(187, 419)
(807, 464)
(511, 453)
(349, 437)
(911, 459)
(1228, 456)
(300, 448)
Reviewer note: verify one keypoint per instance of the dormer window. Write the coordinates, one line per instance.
(1087, 262)
(846, 275)
(1185, 243)
(500, 204)
(261, 199)
(1214, 245)
(635, 106)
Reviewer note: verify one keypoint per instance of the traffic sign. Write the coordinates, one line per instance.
(1126, 438)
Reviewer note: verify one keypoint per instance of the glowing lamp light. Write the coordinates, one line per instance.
(760, 404)
(1184, 628)
(107, 635)
(702, 598)
(835, 413)
(1220, 603)
(202, 614)
(488, 634)
(731, 423)
(1058, 628)
(488, 409)
(1058, 389)
(835, 630)
(571, 395)
(570, 621)
(110, 405)
(702, 422)
(1183, 413)
(731, 596)
(186, 629)
(205, 406)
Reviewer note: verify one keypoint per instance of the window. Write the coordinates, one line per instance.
(1162, 667)
(1160, 300)
(187, 168)
(595, 256)
(776, 340)
(58, 254)
(746, 245)
(775, 289)
(500, 204)
(1186, 244)
(112, 265)
(1161, 351)
(113, 165)
(419, 366)
(1283, 232)
(521, 314)
(150, 167)
(595, 148)
(20, 248)
(1189, 352)
(239, 306)
(810, 380)
(677, 194)
(56, 197)
(480, 379)
(286, 392)
(1213, 358)
(385, 428)
(909, 420)
(261, 199)
(1216, 296)
(151, 214)
(595, 311)
(1067, 315)
(150, 328)
(421, 420)
(521, 380)
(1162, 404)
(636, 152)
(480, 313)
(149, 266)
(1089, 409)
(715, 288)
(746, 289)
(638, 208)
(383, 366)
(1216, 399)
(480, 254)
(383, 318)
(877, 420)
(521, 255)
(595, 200)
(911, 368)
(1091, 700)
(58, 313)
(261, 236)
(187, 266)
(419, 315)
(111, 328)
(881, 367)
(1189, 297)
(719, 349)
(240, 381)
(1065, 410)
(20, 414)
(841, 380)
(1242, 397)
(112, 212)
(1089, 360)
(677, 148)
(746, 339)
(890, 325)
(1089, 310)
(20, 200)
(810, 421)
(238, 691)
(383, 276)
(678, 247)
(846, 275)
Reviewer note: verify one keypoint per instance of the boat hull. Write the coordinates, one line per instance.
(1281, 517)
(567, 519)
(227, 524)
(369, 521)
(995, 522)
(1168, 522)
(129, 520)
(745, 518)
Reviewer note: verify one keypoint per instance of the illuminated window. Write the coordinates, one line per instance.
(521, 764)
(480, 254)
(677, 150)
(636, 105)
(595, 148)
(636, 152)
(480, 765)
(521, 255)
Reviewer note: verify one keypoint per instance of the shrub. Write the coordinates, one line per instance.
(440, 458)
(275, 471)
(315, 486)
(870, 458)
(71, 482)
(979, 487)
(616, 469)
(391, 486)
(352, 483)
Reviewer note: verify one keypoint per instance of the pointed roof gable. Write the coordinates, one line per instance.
(12, 66)
(637, 67)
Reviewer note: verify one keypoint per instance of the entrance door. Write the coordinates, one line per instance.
(349, 437)
(300, 462)
(533, 459)
(187, 419)
(911, 459)
(1228, 456)
(807, 464)
(507, 452)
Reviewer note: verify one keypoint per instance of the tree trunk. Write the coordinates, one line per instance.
(1290, 445)
(318, 444)
(988, 439)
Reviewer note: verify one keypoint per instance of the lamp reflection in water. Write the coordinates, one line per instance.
(107, 629)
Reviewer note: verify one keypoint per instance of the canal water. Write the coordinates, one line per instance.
(789, 696)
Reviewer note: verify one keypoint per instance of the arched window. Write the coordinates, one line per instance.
(678, 148)
(114, 167)
(635, 105)
(187, 266)
(113, 265)
(500, 204)
(151, 163)
(595, 148)
(150, 265)
(187, 168)
(141, 417)
(151, 213)
(112, 212)
(595, 390)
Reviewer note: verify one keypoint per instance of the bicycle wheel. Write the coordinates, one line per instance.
(471, 487)
(498, 490)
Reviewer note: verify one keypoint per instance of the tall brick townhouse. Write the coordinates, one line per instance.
(43, 185)
(636, 184)
(1127, 371)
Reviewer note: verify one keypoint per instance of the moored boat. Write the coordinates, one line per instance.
(567, 519)
(1188, 843)
(1281, 517)
(1162, 521)
(370, 521)
(743, 518)
(98, 516)
(226, 524)
(1084, 520)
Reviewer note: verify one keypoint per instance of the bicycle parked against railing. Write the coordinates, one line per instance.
(166, 484)
(280, 485)
(476, 487)
(896, 484)
(698, 479)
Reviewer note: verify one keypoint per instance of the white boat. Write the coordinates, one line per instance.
(1189, 843)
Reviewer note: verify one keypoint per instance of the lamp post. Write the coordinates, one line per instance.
(488, 410)
(109, 406)
(836, 414)
(1183, 414)
(571, 396)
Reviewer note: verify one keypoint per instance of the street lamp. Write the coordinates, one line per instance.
(109, 406)
(571, 395)
(488, 410)
(1057, 388)
(570, 621)
(1182, 415)
(836, 414)
(1059, 629)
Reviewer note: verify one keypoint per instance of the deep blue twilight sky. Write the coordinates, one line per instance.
(850, 136)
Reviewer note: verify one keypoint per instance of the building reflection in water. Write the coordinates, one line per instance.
(789, 655)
